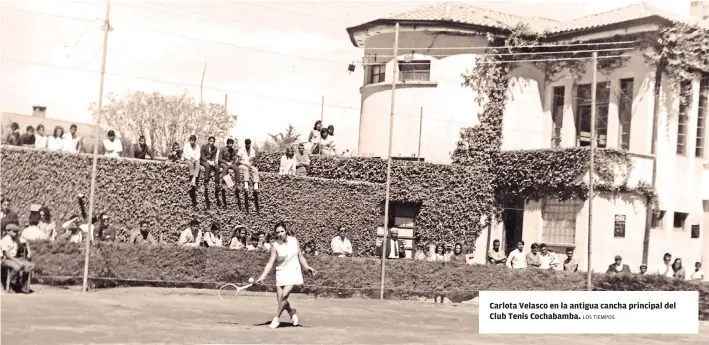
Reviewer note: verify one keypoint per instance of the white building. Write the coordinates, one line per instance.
(438, 43)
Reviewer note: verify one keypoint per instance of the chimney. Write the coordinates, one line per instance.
(39, 111)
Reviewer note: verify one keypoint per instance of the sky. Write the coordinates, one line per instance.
(275, 61)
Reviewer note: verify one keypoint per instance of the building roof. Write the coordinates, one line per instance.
(464, 13)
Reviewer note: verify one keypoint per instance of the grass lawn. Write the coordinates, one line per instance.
(184, 316)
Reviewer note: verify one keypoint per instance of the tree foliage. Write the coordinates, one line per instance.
(164, 119)
(278, 143)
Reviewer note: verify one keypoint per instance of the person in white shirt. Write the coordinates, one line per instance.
(329, 144)
(288, 163)
(253, 243)
(697, 275)
(209, 239)
(517, 258)
(665, 269)
(548, 258)
(238, 238)
(72, 141)
(40, 138)
(192, 236)
(340, 244)
(33, 233)
(248, 172)
(72, 233)
(56, 141)
(191, 155)
(111, 146)
(9, 248)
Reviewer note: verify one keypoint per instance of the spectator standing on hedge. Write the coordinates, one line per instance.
(191, 155)
(8, 216)
(209, 157)
(10, 250)
(678, 271)
(238, 238)
(28, 139)
(340, 245)
(141, 150)
(517, 258)
(697, 274)
(46, 224)
(72, 231)
(106, 231)
(56, 141)
(303, 161)
(249, 173)
(72, 141)
(288, 163)
(394, 248)
(533, 258)
(13, 135)
(111, 146)
(618, 267)
(142, 235)
(175, 154)
(495, 256)
(570, 264)
(192, 236)
(228, 160)
(40, 138)
(665, 269)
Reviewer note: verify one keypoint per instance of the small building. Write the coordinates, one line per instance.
(438, 43)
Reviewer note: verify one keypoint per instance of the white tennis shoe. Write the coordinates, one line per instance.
(275, 323)
(294, 317)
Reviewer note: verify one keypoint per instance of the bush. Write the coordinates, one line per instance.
(337, 277)
(130, 190)
(453, 198)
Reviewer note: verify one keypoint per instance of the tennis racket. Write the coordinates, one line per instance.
(230, 291)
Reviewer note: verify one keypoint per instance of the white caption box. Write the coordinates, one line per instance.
(589, 312)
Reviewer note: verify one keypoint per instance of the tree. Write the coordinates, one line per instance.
(281, 141)
(164, 119)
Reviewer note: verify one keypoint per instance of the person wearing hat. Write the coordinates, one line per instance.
(142, 235)
(618, 267)
(10, 247)
(111, 146)
(192, 236)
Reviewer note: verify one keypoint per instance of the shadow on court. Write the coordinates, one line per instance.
(283, 324)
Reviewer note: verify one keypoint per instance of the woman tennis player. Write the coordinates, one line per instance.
(286, 255)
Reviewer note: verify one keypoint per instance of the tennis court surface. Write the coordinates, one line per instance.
(185, 316)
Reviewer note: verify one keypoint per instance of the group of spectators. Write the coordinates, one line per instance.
(541, 257)
(59, 141)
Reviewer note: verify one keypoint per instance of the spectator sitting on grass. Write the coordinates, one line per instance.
(263, 242)
(10, 250)
(72, 231)
(106, 232)
(238, 238)
(192, 236)
(288, 163)
(495, 256)
(547, 258)
(340, 244)
(56, 141)
(141, 150)
(302, 161)
(7, 216)
(112, 147)
(72, 141)
(697, 274)
(33, 233)
(618, 267)
(253, 243)
(439, 255)
(570, 264)
(175, 154)
(40, 138)
(448, 252)
(678, 271)
(209, 239)
(28, 139)
(458, 255)
(46, 224)
(310, 248)
(533, 258)
(142, 235)
(191, 155)
(421, 254)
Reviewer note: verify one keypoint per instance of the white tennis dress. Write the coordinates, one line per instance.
(288, 270)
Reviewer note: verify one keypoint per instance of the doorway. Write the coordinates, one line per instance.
(513, 219)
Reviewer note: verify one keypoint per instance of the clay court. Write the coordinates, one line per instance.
(185, 316)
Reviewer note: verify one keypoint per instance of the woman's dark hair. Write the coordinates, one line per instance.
(215, 227)
(280, 224)
(72, 126)
(677, 260)
(237, 229)
(29, 128)
(315, 126)
(440, 246)
(230, 141)
(34, 218)
(194, 222)
(254, 238)
(331, 129)
(14, 126)
(456, 246)
(176, 144)
(111, 133)
(211, 138)
(323, 131)
(47, 214)
(193, 137)
(40, 126)
(56, 129)
(141, 137)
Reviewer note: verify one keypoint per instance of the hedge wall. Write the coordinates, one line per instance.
(453, 197)
(130, 190)
(337, 277)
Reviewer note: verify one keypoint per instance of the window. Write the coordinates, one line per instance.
(656, 219)
(559, 221)
(685, 100)
(557, 115)
(376, 74)
(625, 112)
(678, 221)
(702, 116)
(415, 70)
(583, 113)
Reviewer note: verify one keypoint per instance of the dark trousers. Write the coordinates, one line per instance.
(208, 170)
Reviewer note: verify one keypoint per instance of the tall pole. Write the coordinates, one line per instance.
(657, 89)
(394, 78)
(589, 274)
(418, 156)
(322, 118)
(226, 96)
(201, 83)
(89, 238)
